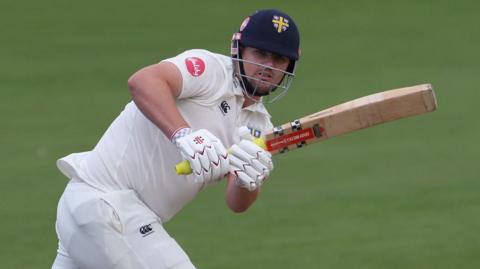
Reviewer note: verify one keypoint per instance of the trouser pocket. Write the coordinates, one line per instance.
(128, 212)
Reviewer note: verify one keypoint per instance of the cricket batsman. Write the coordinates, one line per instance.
(188, 107)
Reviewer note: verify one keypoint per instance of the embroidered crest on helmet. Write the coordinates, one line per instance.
(280, 23)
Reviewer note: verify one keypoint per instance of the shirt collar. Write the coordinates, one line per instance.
(237, 88)
(258, 107)
(255, 107)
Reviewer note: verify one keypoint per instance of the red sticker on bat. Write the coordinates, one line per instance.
(195, 66)
(289, 139)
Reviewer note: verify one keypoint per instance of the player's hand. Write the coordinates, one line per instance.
(207, 156)
(250, 164)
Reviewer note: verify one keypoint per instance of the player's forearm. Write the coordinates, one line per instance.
(237, 198)
(155, 97)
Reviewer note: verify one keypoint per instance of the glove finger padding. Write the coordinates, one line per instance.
(245, 181)
(252, 149)
(241, 177)
(207, 156)
(250, 164)
(245, 167)
(220, 160)
(217, 144)
(260, 167)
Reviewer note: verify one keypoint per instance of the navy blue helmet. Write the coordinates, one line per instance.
(269, 30)
(273, 31)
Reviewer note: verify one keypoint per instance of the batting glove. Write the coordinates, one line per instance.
(250, 164)
(207, 156)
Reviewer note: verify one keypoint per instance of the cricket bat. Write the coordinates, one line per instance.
(345, 118)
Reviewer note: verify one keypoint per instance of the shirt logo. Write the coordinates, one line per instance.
(224, 107)
(146, 230)
(280, 23)
(195, 66)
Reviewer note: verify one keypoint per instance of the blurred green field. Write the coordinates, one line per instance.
(401, 195)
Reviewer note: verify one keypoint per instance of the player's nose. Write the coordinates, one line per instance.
(269, 60)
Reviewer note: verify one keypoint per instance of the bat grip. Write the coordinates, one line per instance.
(183, 167)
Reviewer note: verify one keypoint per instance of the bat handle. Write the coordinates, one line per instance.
(183, 167)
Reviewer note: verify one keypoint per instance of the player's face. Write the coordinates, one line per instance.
(264, 78)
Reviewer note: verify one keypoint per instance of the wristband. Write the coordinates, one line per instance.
(179, 133)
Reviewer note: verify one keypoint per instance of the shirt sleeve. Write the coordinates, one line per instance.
(202, 74)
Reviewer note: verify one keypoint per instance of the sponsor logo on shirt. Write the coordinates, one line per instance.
(224, 107)
(146, 230)
(195, 66)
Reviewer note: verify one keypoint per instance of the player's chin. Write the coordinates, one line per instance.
(263, 87)
(263, 90)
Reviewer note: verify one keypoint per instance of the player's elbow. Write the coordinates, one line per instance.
(142, 80)
(238, 208)
(239, 205)
(140, 86)
(134, 83)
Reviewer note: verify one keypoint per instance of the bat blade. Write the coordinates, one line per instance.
(345, 118)
(351, 116)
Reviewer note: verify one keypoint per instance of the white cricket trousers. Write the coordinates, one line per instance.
(112, 230)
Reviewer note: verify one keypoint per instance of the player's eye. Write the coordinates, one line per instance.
(261, 53)
(281, 59)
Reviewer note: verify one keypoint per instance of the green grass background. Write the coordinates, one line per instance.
(401, 195)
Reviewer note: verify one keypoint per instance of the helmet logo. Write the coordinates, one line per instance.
(280, 23)
(195, 66)
(244, 23)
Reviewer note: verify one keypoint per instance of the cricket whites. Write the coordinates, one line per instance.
(345, 118)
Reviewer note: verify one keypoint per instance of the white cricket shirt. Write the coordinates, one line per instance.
(134, 154)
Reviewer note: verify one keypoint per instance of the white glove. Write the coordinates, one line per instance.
(250, 164)
(207, 156)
